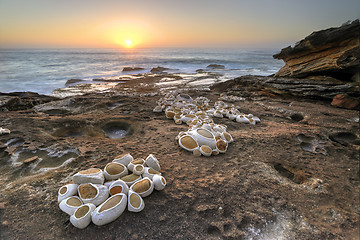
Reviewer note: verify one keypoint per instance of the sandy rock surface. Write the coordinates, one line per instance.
(295, 175)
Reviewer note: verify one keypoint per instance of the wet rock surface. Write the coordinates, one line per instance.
(143, 83)
(215, 66)
(268, 185)
(117, 129)
(129, 69)
(158, 69)
(74, 81)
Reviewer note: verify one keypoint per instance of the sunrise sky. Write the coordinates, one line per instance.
(167, 23)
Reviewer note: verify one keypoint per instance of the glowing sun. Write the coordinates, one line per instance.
(128, 43)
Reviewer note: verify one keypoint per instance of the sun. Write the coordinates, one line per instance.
(128, 43)
(130, 39)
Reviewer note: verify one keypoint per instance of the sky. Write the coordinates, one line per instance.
(167, 23)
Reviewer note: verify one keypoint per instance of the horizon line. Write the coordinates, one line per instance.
(139, 48)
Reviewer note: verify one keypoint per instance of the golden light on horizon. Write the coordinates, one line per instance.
(127, 39)
(126, 33)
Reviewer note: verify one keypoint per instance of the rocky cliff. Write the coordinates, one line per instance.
(333, 52)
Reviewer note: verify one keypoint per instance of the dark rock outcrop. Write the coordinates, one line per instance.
(332, 52)
(74, 81)
(129, 69)
(312, 88)
(215, 66)
(158, 69)
(22, 100)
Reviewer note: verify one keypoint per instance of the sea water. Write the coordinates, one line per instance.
(43, 70)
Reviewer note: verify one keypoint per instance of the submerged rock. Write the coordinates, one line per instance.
(28, 160)
(158, 69)
(129, 69)
(332, 52)
(216, 66)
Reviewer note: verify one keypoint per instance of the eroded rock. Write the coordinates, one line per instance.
(333, 52)
(235, 194)
(305, 88)
(22, 100)
(345, 101)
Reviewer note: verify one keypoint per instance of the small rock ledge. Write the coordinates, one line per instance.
(312, 88)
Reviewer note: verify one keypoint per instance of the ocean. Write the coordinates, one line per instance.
(43, 70)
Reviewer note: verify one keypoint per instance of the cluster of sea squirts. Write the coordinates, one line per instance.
(203, 137)
(101, 196)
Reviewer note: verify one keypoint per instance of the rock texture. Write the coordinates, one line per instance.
(22, 100)
(345, 101)
(332, 52)
(295, 175)
(311, 88)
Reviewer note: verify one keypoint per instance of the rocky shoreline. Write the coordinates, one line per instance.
(295, 175)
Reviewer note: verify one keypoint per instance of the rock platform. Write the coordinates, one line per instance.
(294, 175)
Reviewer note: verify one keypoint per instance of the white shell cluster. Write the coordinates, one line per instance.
(4, 131)
(101, 196)
(207, 140)
(204, 137)
(230, 98)
(232, 112)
